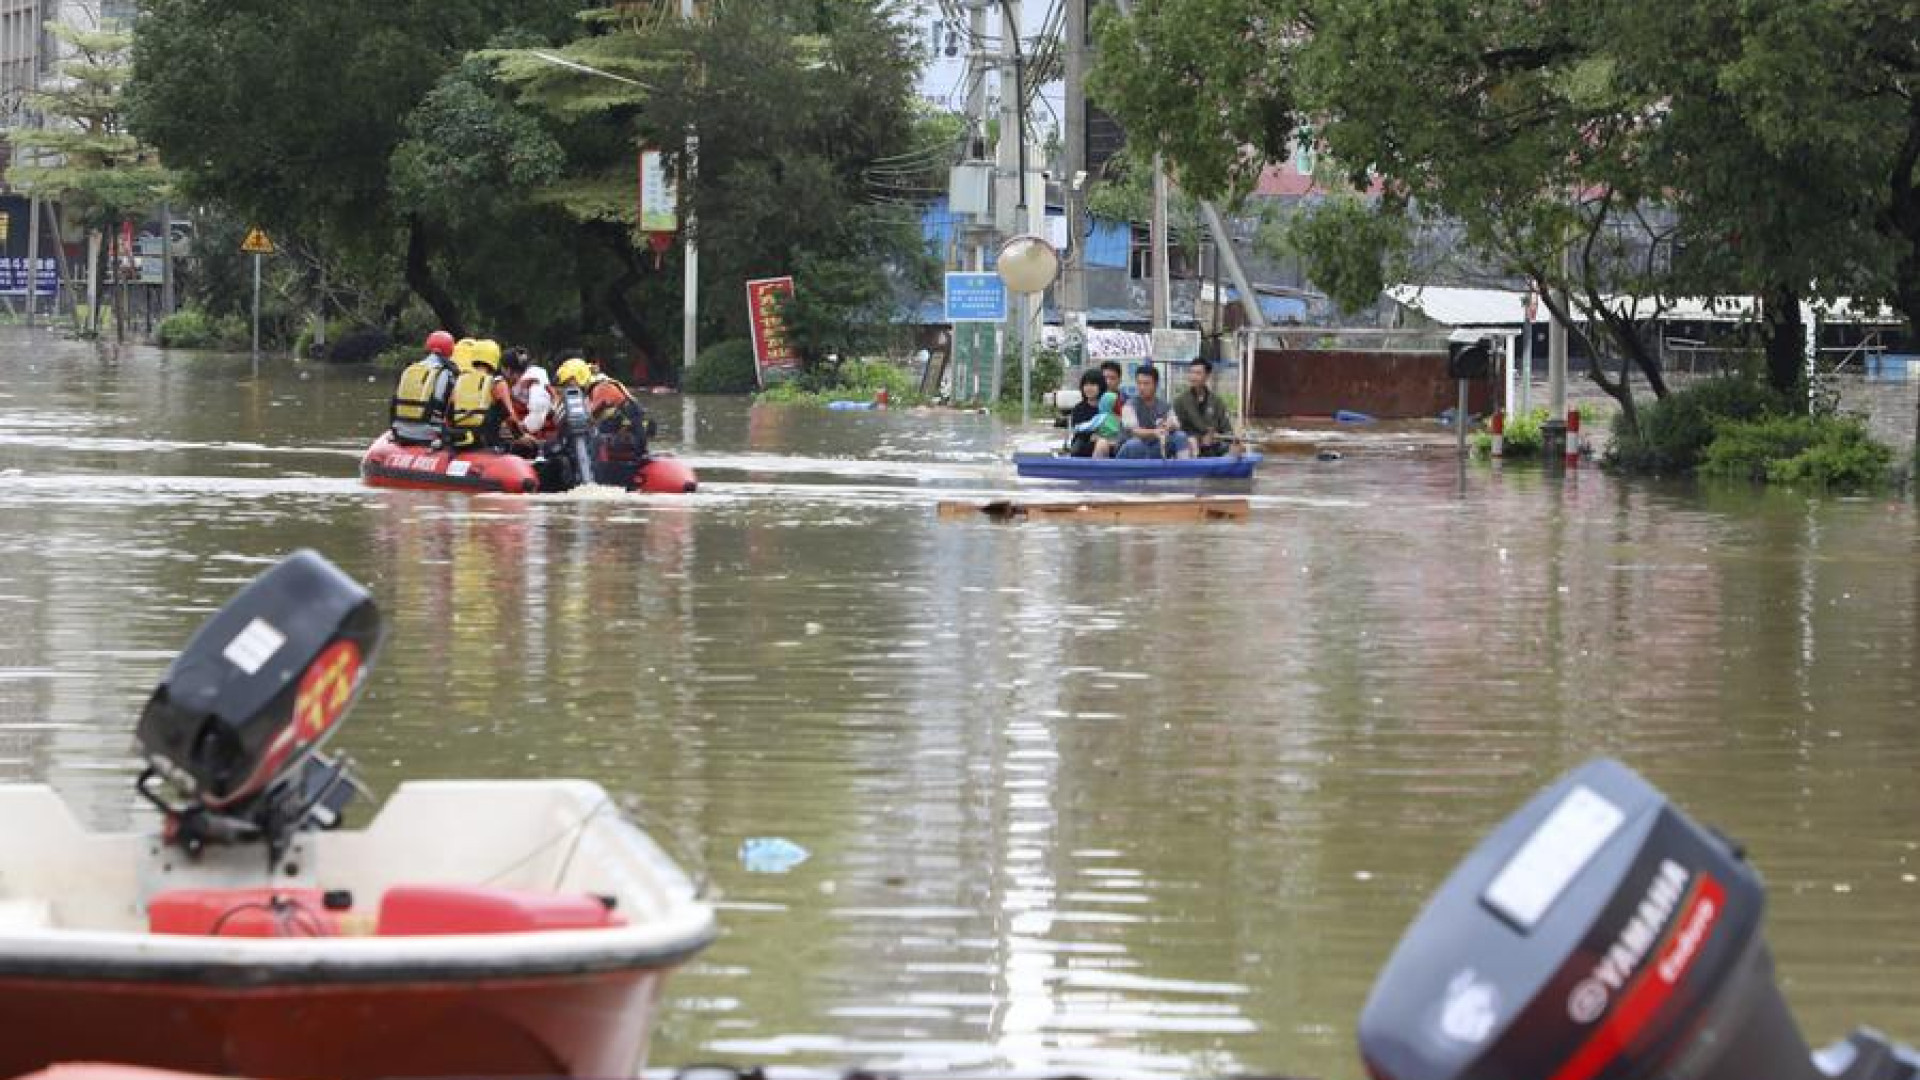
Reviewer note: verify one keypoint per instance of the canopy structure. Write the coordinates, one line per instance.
(1462, 307)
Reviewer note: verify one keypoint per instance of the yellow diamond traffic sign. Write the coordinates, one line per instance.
(256, 242)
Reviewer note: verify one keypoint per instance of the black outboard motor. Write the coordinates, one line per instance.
(237, 721)
(1599, 934)
(577, 437)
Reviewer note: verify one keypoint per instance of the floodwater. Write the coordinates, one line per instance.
(1123, 800)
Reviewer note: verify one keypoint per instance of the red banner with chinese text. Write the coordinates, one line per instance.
(773, 349)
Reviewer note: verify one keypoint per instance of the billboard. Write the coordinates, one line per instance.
(773, 349)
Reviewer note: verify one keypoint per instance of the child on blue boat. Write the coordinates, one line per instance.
(1099, 433)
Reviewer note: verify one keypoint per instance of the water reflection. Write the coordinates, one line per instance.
(1131, 801)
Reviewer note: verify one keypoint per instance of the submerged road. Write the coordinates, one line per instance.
(1127, 801)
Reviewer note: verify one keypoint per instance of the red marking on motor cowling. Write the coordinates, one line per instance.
(1686, 938)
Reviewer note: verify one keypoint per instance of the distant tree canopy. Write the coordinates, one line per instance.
(482, 155)
(84, 157)
(1782, 135)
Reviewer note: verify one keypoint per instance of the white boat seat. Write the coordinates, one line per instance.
(25, 915)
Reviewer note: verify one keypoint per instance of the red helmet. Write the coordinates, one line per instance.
(440, 342)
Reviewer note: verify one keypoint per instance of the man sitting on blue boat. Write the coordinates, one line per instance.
(1201, 414)
(1150, 426)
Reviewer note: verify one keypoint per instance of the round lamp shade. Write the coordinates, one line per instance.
(1028, 264)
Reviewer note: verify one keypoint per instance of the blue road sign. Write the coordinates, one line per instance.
(976, 297)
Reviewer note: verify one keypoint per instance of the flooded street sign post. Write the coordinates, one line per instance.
(257, 245)
(974, 299)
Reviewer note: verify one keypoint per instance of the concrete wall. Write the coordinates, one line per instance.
(1386, 385)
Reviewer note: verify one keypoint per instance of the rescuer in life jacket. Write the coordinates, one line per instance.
(480, 412)
(618, 418)
(418, 413)
(531, 398)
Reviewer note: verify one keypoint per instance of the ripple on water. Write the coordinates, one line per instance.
(1127, 802)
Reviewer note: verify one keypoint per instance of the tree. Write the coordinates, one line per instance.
(289, 114)
(84, 158)
(1209, 82)
(794, 105)
(1600, 150)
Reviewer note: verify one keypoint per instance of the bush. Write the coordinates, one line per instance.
(853, 380)
(1674, 432)
(723, 368)
(1831, 452)
(397, 357)
(1049, 370)
(358, 346)
(1523, 437)
(191, 328)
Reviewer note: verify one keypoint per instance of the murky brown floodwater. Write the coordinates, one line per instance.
(1122, 800)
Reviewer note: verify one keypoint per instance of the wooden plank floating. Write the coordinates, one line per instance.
(1101, 511)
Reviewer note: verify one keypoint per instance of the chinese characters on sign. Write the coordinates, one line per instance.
(659, 198)
(13, 277)
(773, 349)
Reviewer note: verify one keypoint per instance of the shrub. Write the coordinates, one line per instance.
(726, 367)
(303, 346)
(1049, 370)
(358, 346)
(396, 357)
(1831, 452)
(873, 376)
(1674, 432)
(1523, 437)
(853, 380)
(191, 328)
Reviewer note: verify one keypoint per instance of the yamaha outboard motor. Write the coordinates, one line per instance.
(575, 458)
(236, 723)
(1599, 934)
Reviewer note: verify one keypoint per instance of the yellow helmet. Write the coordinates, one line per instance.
(574, 372)
(463, 352)
(487, 351)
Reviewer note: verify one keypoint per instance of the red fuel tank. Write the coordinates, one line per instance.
(243, 913)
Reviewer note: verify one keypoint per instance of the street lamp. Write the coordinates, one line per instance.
(1027, 265)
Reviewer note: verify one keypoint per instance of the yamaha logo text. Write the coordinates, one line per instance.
(1592, 994)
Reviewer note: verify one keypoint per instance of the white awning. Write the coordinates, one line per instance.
(1458, 307)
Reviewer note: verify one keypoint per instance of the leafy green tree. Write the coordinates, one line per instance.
(83, 157)
(468, 174)
(1594, 148)
(289, 114)
(794, 106)
(1125, 193)
(1210, 82)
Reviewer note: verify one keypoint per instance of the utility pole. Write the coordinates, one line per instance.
(1557, 359)
(979, 230)
(33, 260)
(1010, 190)
(1073, 278)
(1162, 273)
(690, 305)
(33, 32)
(166, 263)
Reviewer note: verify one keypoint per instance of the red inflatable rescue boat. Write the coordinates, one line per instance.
(392, 464)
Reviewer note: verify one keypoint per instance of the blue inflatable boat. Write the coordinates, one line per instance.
(1061, 467)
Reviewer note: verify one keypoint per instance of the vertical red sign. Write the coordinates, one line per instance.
(773, 349)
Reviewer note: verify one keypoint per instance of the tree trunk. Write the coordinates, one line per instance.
(1786, 340)
(93, 280)
(424, 285)
(614, 296)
